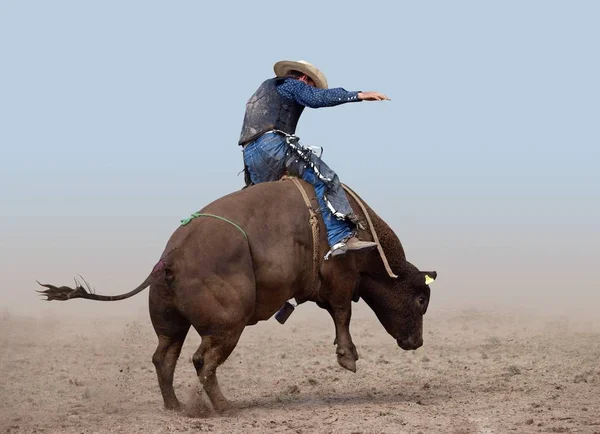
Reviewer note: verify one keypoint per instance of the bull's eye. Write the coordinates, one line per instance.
(421, 300)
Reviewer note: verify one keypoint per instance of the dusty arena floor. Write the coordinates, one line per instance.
(478, 372)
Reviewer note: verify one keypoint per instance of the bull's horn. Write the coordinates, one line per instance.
(429, 280)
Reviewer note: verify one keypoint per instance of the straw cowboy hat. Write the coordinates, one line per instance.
(283, 67)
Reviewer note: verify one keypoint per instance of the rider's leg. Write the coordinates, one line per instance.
(337, 230)
(335, 208)
(340, 233)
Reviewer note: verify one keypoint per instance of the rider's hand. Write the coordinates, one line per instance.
(372, 96)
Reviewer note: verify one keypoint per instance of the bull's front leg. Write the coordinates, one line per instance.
(346, 351)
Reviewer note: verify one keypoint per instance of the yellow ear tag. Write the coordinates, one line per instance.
(428, 280)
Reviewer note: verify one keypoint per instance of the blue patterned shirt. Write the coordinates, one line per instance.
(313, 97)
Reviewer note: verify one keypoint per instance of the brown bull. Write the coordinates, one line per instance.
(220, 279)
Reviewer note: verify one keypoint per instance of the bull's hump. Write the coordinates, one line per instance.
(272, 195)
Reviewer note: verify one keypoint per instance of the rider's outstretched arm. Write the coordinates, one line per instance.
(313, 97)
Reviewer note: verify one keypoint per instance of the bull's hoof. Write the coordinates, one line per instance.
(229, 412)
(173, 405)
(354, 352)
(346, 359)
(223, 407)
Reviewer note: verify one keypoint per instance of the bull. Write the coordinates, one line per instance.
(248, 253)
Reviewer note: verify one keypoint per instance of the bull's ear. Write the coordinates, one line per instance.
(428, 277)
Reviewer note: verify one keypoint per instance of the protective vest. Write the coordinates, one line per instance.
(267, 110)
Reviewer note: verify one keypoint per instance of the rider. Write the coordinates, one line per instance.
(271, 148)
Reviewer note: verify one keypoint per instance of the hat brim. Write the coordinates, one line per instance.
(283, 67)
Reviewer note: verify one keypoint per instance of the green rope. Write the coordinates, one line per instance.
(198, 214)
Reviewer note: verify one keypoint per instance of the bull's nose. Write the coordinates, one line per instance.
(410, 343)
(416, 343)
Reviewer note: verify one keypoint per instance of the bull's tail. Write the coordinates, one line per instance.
(64, 293)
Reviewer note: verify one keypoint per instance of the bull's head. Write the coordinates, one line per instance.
(400, 304)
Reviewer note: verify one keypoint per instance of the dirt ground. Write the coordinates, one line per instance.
(478, 372)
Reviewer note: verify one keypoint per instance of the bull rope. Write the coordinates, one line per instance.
(314, 224)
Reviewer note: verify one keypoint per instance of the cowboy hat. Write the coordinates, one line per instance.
(283, 67)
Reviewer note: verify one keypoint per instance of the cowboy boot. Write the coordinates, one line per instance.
(351, 244)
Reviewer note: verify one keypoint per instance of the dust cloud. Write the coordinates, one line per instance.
(511, 343)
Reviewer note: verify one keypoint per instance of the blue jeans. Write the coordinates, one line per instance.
(269, 157)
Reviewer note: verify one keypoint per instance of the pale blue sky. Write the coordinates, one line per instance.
(118, 118)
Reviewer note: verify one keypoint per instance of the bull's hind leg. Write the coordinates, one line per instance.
(212, 352)
(165, 359)
(171, 328)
